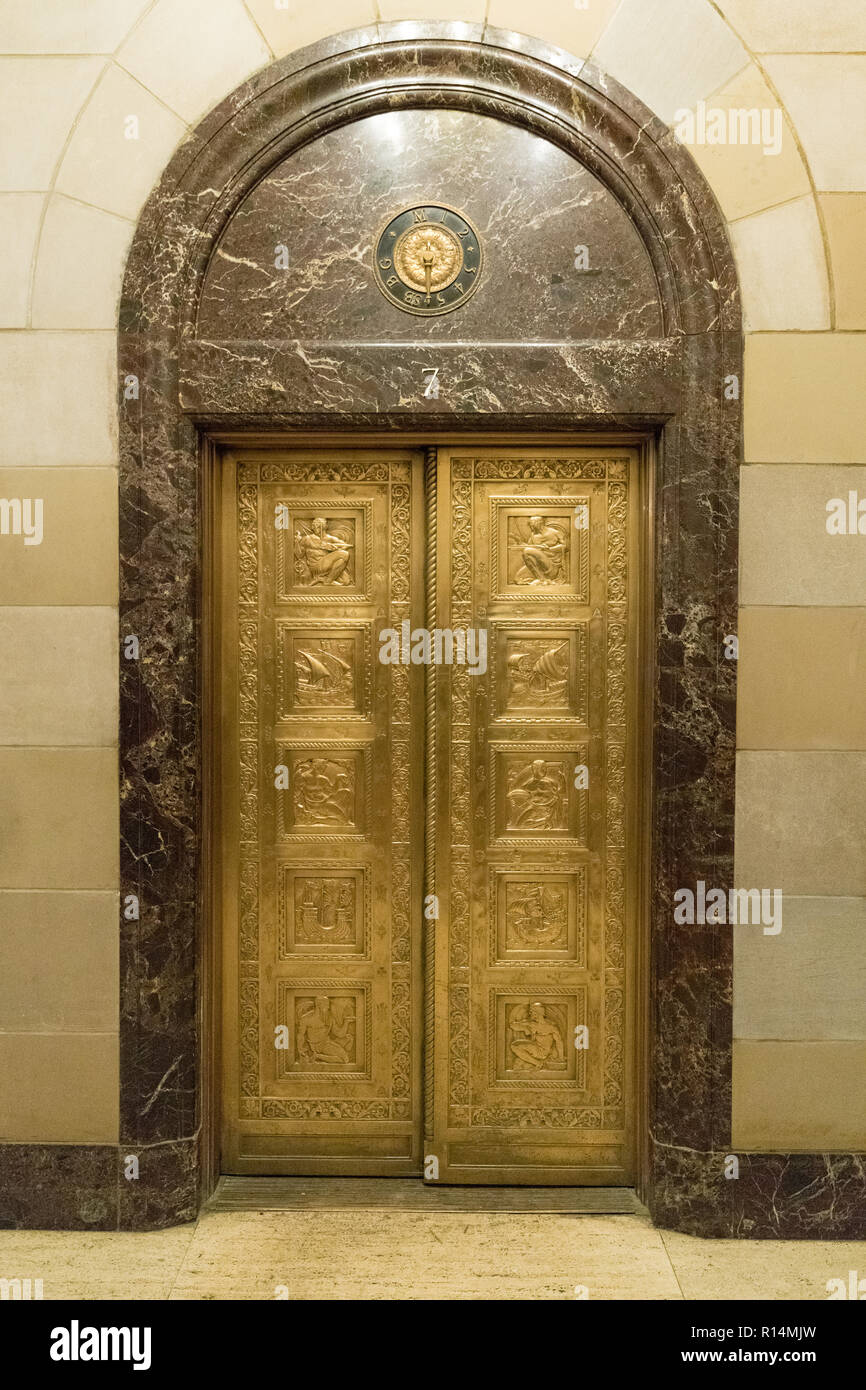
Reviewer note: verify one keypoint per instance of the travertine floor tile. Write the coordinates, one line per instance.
(762, 1269)
(96, 1264)
(402, 1255)
(382, 1255)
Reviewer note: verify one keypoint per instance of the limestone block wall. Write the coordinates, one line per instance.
(95, 95)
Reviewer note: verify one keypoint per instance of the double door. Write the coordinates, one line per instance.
(425, 847)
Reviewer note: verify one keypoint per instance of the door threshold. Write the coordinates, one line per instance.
(411, 1194)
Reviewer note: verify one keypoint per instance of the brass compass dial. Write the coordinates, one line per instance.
(428, 260)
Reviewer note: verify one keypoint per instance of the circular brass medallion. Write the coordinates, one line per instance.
(428, 260)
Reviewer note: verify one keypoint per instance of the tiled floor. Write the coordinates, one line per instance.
(416, 1255)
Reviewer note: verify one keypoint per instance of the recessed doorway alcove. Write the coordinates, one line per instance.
(607, 321)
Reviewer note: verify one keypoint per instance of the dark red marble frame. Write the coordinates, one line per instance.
(672, 385)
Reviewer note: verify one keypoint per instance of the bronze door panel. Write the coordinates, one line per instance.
(483, 1035)
(323, 832)
(531, 1072)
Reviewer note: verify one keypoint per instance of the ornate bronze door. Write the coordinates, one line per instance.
(427, 846)
(323, 831)
(530, 1071)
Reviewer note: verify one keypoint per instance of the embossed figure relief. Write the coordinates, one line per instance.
(328, 1026)
(538, 550)
(535, 1040)
(536, 796)
(532, 1047)
(328, 791)
(328, 1030)
(533, 796)
(323, 791)
(325, 1029)
(323, 553)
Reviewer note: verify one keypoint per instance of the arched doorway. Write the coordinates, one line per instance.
(605, 331)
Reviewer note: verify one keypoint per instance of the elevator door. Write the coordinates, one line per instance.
(425, 842)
